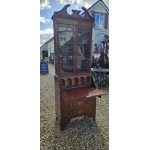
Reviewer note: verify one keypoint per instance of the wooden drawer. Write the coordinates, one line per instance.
(78, 111)
(73, 104)
(78, 103)
(72, 113)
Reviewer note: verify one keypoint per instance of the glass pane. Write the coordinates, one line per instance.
(96, 19)
(102, 20)
(66, 49)
(99, 20)
(83, 49)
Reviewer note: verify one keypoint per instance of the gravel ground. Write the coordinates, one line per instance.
(82, 133)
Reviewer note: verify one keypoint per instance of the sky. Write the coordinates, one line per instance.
(47, 9)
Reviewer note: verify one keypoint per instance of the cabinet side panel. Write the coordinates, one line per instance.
(57, 99)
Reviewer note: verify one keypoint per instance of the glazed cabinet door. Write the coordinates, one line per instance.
(84, 48)
(66, 49)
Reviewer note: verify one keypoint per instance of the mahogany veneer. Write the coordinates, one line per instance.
(75, 91)
(81, 93)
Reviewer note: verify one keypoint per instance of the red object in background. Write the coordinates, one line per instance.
(106, 54)
(96, 49)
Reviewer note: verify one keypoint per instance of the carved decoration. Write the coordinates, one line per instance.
(75, 14)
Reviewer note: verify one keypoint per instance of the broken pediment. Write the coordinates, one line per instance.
(74, 16)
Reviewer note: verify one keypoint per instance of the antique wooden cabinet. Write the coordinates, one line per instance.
(75, 92)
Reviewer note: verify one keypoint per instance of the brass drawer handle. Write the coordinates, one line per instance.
(68, 105)
(79, 103)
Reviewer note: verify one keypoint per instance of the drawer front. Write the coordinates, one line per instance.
(73, 104)
(78, 103)
(78, 111)
(72, 113)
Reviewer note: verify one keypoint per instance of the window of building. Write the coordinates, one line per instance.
(100, 20)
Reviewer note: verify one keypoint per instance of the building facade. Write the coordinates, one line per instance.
(51, 50)
(100, 34)
(47, 50)
(100, 12)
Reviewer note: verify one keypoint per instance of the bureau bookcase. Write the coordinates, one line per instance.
(75, 91)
